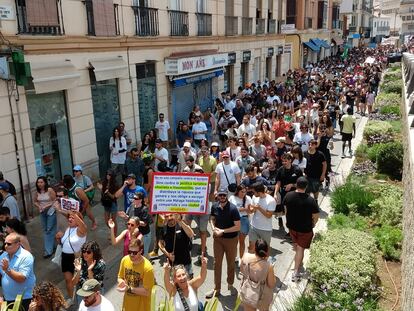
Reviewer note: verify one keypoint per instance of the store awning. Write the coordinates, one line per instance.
(198, 77)
(312, 46)
(321, 43)
(109, 68)
(54, 76)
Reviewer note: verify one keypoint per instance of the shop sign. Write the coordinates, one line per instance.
(6, 13)
(231, 59)
(179, 66)
(247, 55)
(198, 78)
(287, 49)
(270, 52)
(280, 49)
(288, 28)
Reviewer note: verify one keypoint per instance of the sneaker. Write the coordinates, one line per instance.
(343, 155)
(232, 290)
(153, 254)
(296, 277)
(350, 153)
(212, 293)
(280, 222)
(69, 302)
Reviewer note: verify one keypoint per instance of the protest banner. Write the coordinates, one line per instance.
(69, 205)
(184, 193)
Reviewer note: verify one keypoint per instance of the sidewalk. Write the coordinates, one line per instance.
(280, 248)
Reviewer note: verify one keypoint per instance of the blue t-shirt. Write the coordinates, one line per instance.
(21, 262)
(129, 195)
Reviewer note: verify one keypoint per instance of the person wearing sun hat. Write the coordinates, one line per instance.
(92, 298)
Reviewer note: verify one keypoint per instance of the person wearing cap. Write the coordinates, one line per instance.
(228, 173)
(135, 279)
(225, 224)
(128, 190)
(9, 200)
(84, 181)
(161, 156)
(12, 188)
(215, 150)
(280, 147)
(302, 213)
(17, 271)
(92, 298)
(184, 154)
(199, 130)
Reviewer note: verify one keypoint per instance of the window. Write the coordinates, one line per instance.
(102, 18)
(290, 12)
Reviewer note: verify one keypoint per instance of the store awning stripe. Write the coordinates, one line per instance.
(54, 76)
(109, 68)
(320, 43)
(312, 46)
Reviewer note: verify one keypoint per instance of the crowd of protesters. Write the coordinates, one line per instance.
(267, 150)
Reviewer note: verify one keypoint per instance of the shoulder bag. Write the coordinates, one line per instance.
(231, 187)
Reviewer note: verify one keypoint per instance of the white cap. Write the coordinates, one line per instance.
(214, 144)
(187, 144)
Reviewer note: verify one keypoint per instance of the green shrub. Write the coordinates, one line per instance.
(387, 99)
(394, 69)
(343, 260)
(396, 126)
(352, 221)
(392, 76)
(361, 152)
(351, 197)
(392, 87)
(394, 109)
(389, 241)
(373, 151)
(388, 204)
(390, 160)
(377, 127)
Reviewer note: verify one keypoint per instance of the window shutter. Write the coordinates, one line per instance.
(104, 18)
(42, 13)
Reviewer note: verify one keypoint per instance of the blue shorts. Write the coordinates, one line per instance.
(244, 225)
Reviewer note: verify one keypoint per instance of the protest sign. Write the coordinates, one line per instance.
(184, 193)
(69, 205)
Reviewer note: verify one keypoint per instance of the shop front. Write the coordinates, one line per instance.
(194, 82)
(244, 68)
(48, 118)
(269, 56)
(229, 73)
(310, 53)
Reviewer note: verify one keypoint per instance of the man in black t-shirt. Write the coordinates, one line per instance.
(302, 213)
(225, 223)
(176, 242)
(315, 170)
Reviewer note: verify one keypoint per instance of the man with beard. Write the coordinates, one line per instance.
(92, 298)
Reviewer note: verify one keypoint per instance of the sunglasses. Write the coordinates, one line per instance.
(225, 157)
(137, 198)
(87, 251)
(134, 253)
(8, 243)
(130, 225)
(59, 196)
(76, 171)
(222, 195)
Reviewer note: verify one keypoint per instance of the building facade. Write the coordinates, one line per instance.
(95, 63)
(390, 8)
(380, 27)
(407, 17)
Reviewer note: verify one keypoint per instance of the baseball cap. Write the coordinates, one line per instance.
(214, 144)
(88, 288)
(77, 168)
(225, 154)
(132, 176)
(4, 186)
(222, 191)
(187, 144)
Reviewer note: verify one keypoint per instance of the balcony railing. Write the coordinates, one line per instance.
(204, 24)
(271, 26)
(247, 25)
(178, 23)
(383, 28)
(260, 26)
(49, 24)
(146, 21)
(232, 25)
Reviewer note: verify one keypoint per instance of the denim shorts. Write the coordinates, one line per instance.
(244, 225)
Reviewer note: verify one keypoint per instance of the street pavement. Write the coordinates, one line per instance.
(281, 249)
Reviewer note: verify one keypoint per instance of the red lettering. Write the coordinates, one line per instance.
(200, 63)
(187, 65)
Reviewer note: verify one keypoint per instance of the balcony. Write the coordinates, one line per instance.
(260, 26)
(271, 26)
(247, 26)
(383, 28)
(204, 22)
(146, 21)
(30, 22)
(104, 25)
(232, 27)
(178, 23)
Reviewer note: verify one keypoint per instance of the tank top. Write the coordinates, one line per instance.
(127, 240)
(192, 301)
(71, 242)
(43, 198)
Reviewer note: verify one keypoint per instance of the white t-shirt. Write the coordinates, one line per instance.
(234, 199)
(162, 128)
(250, 129)
(162, 153)
(231, 170)
(303, 140)
(116, 156)
(105, 305)
(302, 165)
(260, 221)
(270, 99)
(199, 127)
(234, 153)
